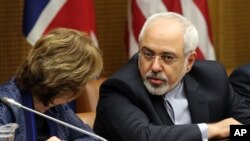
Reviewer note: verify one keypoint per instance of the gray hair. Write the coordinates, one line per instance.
(190, 33)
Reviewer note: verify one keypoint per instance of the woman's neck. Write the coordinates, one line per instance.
(38, 105)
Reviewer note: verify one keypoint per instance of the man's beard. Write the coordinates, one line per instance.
(160, 89)
(163, 88)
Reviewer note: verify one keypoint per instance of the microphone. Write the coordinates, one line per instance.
(11, 102)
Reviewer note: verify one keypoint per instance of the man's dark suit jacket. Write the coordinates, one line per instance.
(127, 112)
(240, 80)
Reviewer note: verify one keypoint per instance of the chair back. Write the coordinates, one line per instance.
(87, 102)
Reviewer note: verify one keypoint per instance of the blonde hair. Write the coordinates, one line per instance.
(61, 61)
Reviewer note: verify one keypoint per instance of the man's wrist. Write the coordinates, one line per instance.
(204, 131)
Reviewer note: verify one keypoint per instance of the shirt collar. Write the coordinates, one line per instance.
(176, 93)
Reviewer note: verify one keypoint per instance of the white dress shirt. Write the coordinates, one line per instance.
(176, 105)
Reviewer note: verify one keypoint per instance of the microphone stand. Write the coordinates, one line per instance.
(13, 102)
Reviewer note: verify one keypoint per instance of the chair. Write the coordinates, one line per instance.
(229, 71)
(87, 102)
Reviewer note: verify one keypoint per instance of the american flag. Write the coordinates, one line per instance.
(40, 16)
(195, 10)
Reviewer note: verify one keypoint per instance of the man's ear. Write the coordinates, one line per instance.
(190, 60)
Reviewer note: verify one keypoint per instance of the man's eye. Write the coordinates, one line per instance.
(148, 54)
(168, 57)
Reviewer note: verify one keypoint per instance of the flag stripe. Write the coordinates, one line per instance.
(149, 7)
(71, 9)
(50, 14)
(137, 20)
(131, 38)
(32, 11)
(203, 7)
(173, 5)
(200, 55)
(141, 10)
(194, 10)
(44, 20)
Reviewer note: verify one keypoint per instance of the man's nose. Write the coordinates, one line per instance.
(156, 64)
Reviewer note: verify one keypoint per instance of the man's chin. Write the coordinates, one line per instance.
(156, 89)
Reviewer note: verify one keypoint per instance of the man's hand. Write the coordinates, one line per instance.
(221, 129)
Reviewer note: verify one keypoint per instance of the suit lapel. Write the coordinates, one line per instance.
(197, 100)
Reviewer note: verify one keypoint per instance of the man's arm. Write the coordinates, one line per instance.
(221, 129)
(124, 117)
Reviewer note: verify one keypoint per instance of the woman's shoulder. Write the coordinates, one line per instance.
(10, 90)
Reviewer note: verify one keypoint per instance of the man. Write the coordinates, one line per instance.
(240, 80)
(163, 94)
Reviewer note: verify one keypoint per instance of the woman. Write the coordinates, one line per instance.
(55, 71)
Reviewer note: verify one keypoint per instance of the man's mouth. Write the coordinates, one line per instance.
(155, 81)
